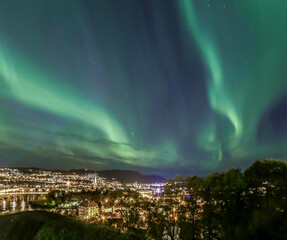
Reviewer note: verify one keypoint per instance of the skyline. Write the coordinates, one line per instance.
(164, 87)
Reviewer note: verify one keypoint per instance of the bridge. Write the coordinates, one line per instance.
(22, 193)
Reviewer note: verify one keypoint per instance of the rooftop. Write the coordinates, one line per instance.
(88, 204)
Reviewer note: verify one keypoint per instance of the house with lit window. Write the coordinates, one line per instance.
(88, 209)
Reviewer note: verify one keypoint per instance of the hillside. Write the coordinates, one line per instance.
(46, 225)
(124, 176)
(128, 176)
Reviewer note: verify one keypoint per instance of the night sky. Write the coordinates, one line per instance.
(160, 86)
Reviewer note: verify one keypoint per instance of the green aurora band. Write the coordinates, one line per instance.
(245, 75)
(28, 86)
(159, 86)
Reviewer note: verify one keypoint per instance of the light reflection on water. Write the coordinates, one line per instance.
(18, 203)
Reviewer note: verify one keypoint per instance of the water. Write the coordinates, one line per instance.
(17, 203)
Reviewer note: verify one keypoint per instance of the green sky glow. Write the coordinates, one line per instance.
(159, 86)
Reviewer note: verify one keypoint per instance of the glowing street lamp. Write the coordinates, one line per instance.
(68, 184)
(14, 205)
(23, 205)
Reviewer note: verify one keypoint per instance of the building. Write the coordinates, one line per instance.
(88, 209)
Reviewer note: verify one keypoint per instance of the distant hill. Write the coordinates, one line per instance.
(128, 176)
(46, 225)
(124, 176)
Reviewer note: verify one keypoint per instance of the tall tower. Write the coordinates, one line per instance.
(95, 181)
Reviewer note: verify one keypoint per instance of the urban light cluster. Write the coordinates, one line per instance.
(85, 195)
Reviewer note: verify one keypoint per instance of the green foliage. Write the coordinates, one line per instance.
(51, 226)
(269, 171)
(178, 178)
(193, 183)
(264, 224)
(52, 233)
(233, 179)
(234, 206)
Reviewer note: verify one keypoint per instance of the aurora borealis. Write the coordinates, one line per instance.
(159, 86)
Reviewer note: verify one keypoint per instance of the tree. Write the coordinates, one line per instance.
(178, 178)
(269, 177)
(189, 220)
(267, 172)
(193, 184)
